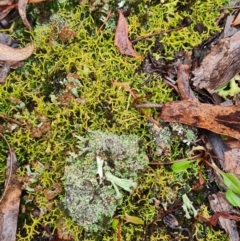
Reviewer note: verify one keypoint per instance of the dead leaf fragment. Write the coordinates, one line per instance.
(219, 119)
(4, 72)
(10, 201)
(5, 2)
(231, 161)
(14, 55)
(121, 38)
(219, 203)
(22, 12)
(236, 21)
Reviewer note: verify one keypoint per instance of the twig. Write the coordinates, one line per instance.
(105, 20)
(171, 162)
(230, 7)
(10, 119)
(155, 34)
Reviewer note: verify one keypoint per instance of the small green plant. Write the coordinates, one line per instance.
(229, 179)
(230, 89)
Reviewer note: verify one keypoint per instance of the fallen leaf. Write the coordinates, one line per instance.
(14, 55)
(6, 8)
(227, 215)
(121, 38)
(6, 2)
(229, 30)
(10, 201)
(22, 12)
(236, 21)
(219, 119)
(4, 72)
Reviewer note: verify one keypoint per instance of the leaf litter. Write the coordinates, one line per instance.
(121, 38)
(214, 71)
(10, 200)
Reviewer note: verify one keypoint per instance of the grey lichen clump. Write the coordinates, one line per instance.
(104, 165)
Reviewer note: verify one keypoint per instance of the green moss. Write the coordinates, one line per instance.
(66, 88)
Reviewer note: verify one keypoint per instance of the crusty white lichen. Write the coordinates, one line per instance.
(102, 169)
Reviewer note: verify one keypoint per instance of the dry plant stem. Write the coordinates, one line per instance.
(10, 168)
(109, 14)
(171, 162)
(214, 167)
(149, 105)
(119, 231)
(230, 7)
(168, 81)
(155, 34)
(10, 119)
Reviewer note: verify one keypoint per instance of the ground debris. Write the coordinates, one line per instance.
(9, 204)
(220, 65)
(219, 203)
(121, 38)
(219, 119)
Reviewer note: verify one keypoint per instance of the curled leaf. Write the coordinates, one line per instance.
(9, 54)
(121, 38)
(22, 12)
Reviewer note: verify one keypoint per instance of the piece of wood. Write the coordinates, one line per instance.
(223, 120)
(220, 65)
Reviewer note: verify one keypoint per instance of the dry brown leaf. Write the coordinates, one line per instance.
(6, 2)
(4, 11)
(22, 12)
(13, 55)
(121, 38)
(231, 161)
(219, 119)
(236, 21)
(4, 72)
(218, 204)
(9, 204)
